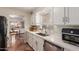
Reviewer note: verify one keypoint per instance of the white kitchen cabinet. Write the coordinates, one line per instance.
(38, 19)
(43, 16)
(29, 39)
(39, 44)
(33, 19)
(73, 15)
(34, 46)
(47, 16)
(35, 42)
(66, 15)
(61, 16)
(26, 36)
(58, 15)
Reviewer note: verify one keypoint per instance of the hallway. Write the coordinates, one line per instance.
(17, 44)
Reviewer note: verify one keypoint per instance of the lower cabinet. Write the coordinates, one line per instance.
(48, 46)
(31, 40)
(34, 46)
(27, 37)
(39, 44)
(35, 42)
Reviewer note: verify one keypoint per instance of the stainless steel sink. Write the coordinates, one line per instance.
(42, 34)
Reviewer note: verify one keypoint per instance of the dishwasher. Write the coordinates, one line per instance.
(48, 46)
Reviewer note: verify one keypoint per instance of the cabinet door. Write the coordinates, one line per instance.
(30, 39)
(74, 15)
(33, 19)
(58, 15)
(27, 36)
(34, 42)
(39, 44)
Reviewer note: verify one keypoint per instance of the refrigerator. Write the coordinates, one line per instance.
(3, 33)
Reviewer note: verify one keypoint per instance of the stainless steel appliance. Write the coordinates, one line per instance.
(48, 46)
(71, 36)
(3, 33)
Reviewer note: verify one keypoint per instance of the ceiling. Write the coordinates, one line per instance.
(25, 9)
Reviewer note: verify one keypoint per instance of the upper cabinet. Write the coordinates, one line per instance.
(47, 16)
(33, 20)
(38, 19)
(73, 15)
(58, 15)
(42, 16)
(66, 15)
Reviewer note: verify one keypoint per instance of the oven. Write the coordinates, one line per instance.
(70, 36)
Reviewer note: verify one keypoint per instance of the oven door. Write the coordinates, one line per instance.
(71, 39)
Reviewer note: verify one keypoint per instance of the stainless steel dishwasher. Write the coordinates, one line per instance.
(51, 47)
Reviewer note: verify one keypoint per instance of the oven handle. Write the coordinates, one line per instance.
(71, 34)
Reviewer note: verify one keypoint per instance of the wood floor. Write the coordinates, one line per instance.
(19, 45)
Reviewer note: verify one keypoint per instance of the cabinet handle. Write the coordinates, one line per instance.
(66, 20)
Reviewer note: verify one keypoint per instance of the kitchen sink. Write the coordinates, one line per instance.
(42, 34)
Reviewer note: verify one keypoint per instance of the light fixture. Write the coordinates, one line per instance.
(13, 16)
(18, 17)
